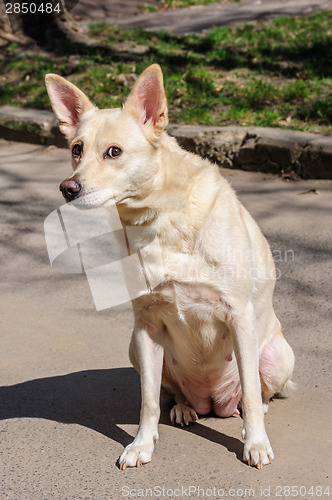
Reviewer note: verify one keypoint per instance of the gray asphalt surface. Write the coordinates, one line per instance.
(69, 399)
(129, 13)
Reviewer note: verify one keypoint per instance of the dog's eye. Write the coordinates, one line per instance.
(113, 152)
(77, 150)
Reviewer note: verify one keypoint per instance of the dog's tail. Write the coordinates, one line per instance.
(287, 389)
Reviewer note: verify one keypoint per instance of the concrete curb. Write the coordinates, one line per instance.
(30, 125)
(271, 150)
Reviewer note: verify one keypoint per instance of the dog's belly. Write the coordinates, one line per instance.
(199, 359)
(216, 393)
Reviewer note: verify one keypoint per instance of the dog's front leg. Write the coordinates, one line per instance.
(150, 357)
(257, 448)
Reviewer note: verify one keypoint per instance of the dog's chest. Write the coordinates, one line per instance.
(188, 313)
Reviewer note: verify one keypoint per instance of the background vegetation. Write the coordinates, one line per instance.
(272, 73)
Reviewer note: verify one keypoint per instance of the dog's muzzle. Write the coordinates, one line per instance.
(70, 189)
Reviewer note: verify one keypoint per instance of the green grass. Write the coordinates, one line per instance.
(276, 73)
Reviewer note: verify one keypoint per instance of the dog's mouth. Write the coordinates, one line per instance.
(93, 199)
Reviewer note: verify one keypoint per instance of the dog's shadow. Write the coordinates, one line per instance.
(101, 400)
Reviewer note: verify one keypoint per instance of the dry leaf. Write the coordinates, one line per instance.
(310, 191)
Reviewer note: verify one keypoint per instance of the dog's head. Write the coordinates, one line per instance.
(114, 151)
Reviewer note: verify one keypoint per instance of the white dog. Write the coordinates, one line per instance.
(208, 333)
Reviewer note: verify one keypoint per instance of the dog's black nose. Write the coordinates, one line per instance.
(70, 189)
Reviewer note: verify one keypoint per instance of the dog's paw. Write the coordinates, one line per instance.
(257, 452)
(136, 454)
(183, 414)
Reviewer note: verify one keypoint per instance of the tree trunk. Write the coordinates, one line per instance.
(46, 25)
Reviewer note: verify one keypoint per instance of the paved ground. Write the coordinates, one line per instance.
(69, 400)
(129, 14)
(197, 19)
(99, 9)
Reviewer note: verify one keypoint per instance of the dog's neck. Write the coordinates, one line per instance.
(182, 180)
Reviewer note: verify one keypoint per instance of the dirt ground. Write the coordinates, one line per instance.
(69, 399)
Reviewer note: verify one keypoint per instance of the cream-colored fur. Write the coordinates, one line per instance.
(208, 332)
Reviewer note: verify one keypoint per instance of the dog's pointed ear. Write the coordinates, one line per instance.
(147, 101)
(68, 102)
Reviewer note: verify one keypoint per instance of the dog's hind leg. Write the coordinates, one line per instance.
(276, 365)
(182, 413)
